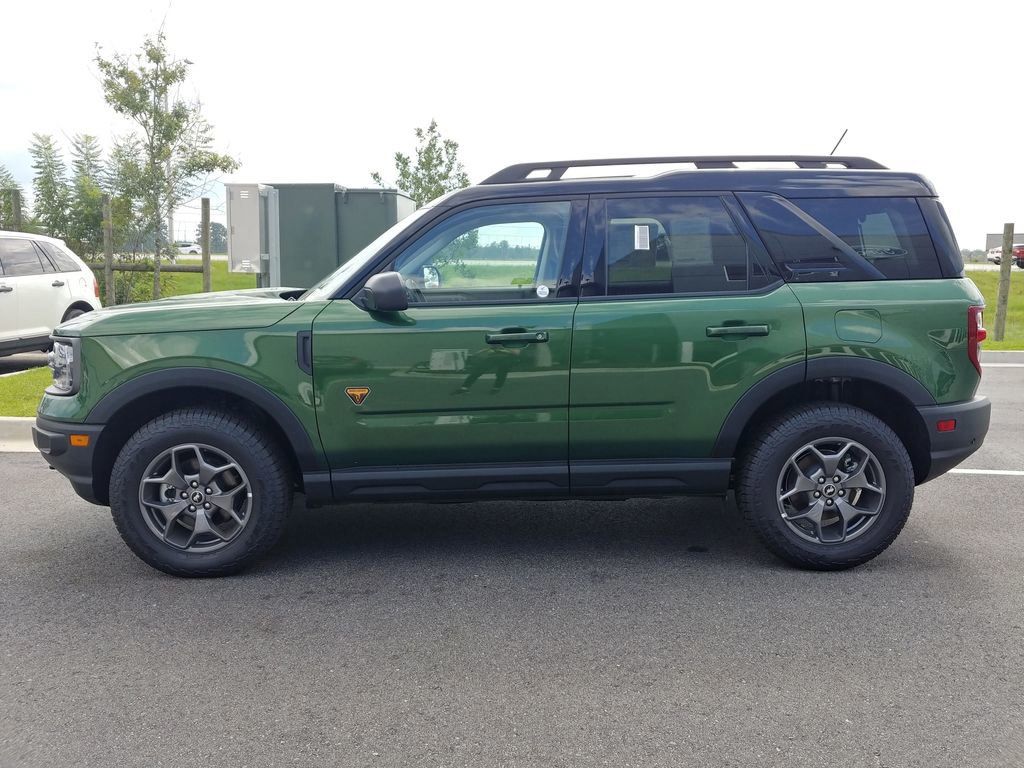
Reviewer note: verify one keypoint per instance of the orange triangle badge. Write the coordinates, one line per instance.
(357, 395)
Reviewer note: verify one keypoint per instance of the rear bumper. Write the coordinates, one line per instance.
(53, 440)
(950, 448)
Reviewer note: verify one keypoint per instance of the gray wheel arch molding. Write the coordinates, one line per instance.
(308, 456)
(815, 368)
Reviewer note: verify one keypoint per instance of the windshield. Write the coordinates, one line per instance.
(327, 287)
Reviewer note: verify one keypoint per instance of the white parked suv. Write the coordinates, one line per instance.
(42, 284)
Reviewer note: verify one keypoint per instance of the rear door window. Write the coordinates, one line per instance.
(675, 245)
(19, 257)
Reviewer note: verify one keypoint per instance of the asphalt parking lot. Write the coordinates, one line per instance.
(644, 633)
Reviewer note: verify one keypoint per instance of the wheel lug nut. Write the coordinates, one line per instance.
(828, 502)
(184, 494)
(191, 508)
(835, 479)
(207, 505)
(842, 492)
(821, 480)
(817, 494)
(208, 490)
(195, 484)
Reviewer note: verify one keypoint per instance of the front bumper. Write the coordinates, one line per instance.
(950, 448)
(53, 439)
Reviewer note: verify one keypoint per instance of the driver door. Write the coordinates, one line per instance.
(467, 391)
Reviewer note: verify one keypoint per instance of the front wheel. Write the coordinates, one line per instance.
(198, 492)
(826, 486)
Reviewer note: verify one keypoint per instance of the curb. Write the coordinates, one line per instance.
(16, 434)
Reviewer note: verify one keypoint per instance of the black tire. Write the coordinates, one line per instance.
(261, 460)
(762, 465)
(73, 314)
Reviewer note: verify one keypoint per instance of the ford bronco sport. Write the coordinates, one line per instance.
(802, 334)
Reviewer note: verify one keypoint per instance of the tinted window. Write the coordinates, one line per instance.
(890, 233)
(19, 257)
(61, 260)
(673, 245)
(507, 252)
(840, 239)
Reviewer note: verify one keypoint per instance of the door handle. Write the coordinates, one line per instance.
(528, 337)
(5, 289)
(57, 283)
(714, 331)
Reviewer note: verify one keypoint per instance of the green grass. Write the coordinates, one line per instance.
(988, 283)
(20, 393)
(221, 279)
(477, 275)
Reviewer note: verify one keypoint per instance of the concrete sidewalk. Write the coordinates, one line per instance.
(16, 434)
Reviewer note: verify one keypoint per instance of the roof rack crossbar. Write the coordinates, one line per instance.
(556, 170)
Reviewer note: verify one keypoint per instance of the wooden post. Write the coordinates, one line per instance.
(204, 242)
(1003, 296)
(16, 209)
(108, 251)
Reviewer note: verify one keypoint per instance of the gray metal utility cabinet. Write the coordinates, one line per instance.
(295, 234)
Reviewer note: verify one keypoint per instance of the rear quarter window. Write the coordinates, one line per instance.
(61, 261)
(889, 232)
(842, 239)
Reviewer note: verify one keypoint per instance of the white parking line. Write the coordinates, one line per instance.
(1010, 472)
(1002, 365)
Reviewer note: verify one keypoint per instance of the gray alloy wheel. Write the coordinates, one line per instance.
(831, 490)
(195, 498)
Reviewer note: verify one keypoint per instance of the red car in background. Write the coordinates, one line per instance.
(1018, 254)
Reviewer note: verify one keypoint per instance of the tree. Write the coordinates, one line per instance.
(176, 140)
(218, 237)
(436, 170)
(85, 216)
(50, 190)
(8, 185)
(123, 181)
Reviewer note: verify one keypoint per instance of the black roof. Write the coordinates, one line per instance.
(809, 176)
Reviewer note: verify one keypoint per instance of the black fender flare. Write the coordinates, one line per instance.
(846, 367)
(306, 454)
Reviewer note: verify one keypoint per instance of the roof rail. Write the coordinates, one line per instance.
(557, 168)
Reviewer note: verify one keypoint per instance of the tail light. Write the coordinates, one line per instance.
(95, 288)
(976, 334)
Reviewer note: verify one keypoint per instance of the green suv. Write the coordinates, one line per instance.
(802, 334)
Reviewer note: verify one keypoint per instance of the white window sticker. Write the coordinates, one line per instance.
(641, 237)
(542, 291)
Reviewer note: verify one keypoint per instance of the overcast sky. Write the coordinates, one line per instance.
(318, 91)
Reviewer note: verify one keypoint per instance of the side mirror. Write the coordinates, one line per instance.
(384, 292)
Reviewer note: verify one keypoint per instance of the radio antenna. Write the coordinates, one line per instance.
(838, 142)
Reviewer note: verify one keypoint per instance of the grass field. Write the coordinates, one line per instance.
(221, 279)
(988, 283)
(20, 393)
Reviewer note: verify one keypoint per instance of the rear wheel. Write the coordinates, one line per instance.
(197, 492)
(826, 486)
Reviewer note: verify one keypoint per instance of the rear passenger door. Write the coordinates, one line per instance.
(681, 312)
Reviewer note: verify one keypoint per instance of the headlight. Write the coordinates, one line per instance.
(63, 361)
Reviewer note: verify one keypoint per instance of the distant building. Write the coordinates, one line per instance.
(996, 240)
